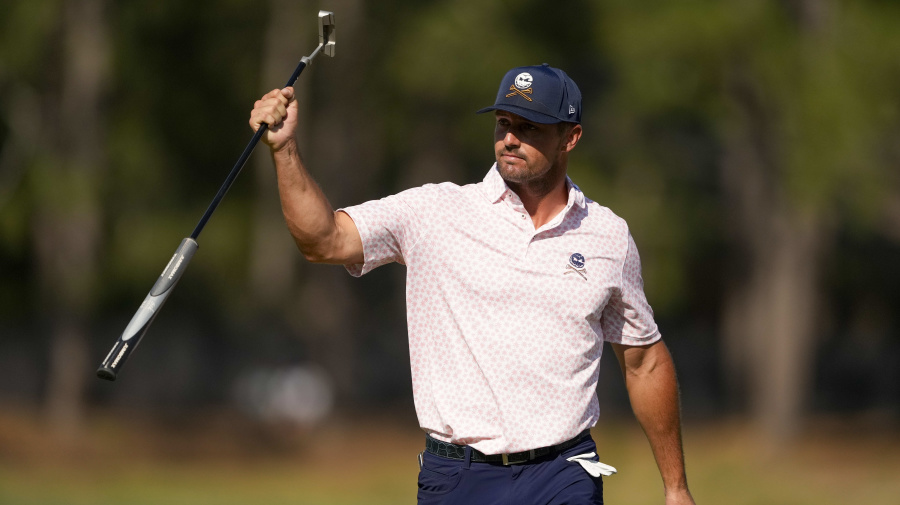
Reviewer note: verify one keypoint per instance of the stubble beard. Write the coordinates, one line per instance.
(527, 179)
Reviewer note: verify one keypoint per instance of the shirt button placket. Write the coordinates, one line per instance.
(529, 238)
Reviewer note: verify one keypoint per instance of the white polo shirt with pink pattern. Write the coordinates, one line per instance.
(506, 322)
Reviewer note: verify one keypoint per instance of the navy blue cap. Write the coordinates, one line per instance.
(539, 93)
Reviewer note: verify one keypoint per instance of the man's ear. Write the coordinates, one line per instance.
(573, 135)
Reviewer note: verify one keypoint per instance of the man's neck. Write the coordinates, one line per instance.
(544, 199)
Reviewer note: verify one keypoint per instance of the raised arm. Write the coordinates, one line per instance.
(321, 234)
(653, 391)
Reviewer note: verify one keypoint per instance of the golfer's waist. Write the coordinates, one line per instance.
(456, 451)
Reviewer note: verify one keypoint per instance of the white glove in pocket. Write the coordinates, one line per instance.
(595, 468)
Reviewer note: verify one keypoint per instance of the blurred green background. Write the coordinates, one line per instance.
(752, 146)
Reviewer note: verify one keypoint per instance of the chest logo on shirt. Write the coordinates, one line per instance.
(576, 265)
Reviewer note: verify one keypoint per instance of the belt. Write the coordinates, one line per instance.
(454, 451)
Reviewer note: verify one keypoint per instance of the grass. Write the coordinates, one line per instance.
(217, 460)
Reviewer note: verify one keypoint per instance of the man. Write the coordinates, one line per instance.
(513, 285)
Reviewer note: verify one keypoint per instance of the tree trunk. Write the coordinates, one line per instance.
(67, 231)
(788, 276)
(769, 321)
(274, 257)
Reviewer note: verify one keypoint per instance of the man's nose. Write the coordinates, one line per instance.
(510, 139)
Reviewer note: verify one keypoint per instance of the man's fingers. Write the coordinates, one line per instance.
(258, 119)
(273, 113)
(272, 109)
(269, 111)
(283, 95)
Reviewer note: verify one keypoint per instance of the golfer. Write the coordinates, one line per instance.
(513, 285)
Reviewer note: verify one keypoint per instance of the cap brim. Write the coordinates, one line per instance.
(533, 116)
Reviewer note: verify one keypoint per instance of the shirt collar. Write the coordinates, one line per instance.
(495, 188)
(494, 185)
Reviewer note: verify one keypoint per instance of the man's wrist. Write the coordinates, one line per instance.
(285, 151)
(679, 488)
(679, 496)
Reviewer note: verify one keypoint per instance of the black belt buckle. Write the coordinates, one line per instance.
(517, 458)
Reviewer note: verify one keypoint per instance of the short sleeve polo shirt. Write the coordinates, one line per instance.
(506, 322)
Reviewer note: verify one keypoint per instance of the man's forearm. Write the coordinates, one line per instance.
(653, 391)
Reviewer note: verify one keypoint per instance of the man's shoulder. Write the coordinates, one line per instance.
(435, 193)
(602, 216)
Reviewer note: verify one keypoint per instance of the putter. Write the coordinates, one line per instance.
(146, 313)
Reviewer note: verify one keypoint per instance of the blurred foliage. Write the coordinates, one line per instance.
(655, 78)
(666, 115)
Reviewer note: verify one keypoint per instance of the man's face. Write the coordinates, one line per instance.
(526, 151)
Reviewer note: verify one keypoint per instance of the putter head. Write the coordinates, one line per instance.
(326, 32)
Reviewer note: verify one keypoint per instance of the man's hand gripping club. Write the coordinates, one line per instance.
(278, 109)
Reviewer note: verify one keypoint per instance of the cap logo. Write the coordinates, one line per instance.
(520, 92)
(571, 109)
(524, 80)
(522, 86)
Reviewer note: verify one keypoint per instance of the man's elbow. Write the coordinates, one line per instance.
(316, 246)
(328, 252)
(318, 253)
(330, 243)
(313, 256)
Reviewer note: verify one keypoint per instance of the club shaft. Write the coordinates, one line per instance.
(242, 160)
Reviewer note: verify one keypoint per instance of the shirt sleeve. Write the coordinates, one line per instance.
(388, 227)
(628, 318)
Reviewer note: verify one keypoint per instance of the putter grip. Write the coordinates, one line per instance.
(146, 313)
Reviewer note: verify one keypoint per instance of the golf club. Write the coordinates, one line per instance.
(146, 313)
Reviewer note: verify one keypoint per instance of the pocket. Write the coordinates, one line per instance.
(436, 477)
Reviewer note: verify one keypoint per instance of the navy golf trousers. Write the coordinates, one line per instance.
(550, 480)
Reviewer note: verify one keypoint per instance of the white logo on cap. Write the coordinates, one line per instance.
(524, 80)
(571, 109)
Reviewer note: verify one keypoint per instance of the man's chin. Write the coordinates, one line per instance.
(512, 177)
(512, 173)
